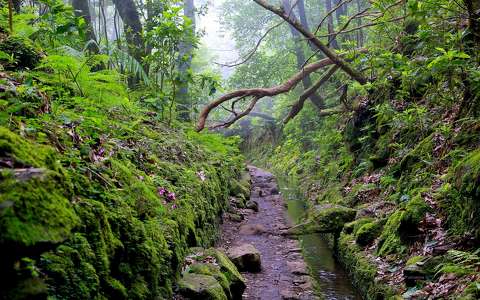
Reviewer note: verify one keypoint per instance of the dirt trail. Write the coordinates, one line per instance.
(284, 274)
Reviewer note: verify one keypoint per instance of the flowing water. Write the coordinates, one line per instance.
(331, 278)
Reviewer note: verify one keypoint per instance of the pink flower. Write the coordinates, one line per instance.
(171, 196)
(174, 206)
(161, 191)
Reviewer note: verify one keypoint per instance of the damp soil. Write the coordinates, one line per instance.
(292, 267)
(276, 280)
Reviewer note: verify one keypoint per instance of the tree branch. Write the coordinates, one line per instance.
(238, 116)
(341, 3)
(262, 92)
(347, 68)
(298, 106)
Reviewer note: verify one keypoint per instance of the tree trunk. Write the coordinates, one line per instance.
(17, 5)
(360, 36)
(82, 10)
(332, 41)
(184, 64)
(473, 8)
(132, 27)
(307, 82)
(304, 21)
(336, 59)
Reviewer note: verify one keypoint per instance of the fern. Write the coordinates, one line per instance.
(129, 64)
(459, 262)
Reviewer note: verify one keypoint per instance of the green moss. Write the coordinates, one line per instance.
(368, 232)
(361, 270)
(352, 227)
(414, 259)
(414, 168)
(39, 210)
(401, 226)
(459, 197)
(198, 286)
(22, 50)
(236, 280)
(209, 269)
(329, 218)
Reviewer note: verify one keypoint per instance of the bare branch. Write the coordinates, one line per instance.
(297, 107)
(347, 68)
(340, 4)
(363, 26)
(254, 50)
(237, 116)
(262, 92)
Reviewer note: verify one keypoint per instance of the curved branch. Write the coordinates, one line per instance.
(262, 92)
(253, 51)
(341, 3)
(363, 26)
(238, 116)
(297, 107)
(347, 68)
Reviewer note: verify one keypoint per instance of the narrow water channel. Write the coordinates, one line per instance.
(332, 279)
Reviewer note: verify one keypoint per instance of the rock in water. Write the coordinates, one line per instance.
(198, 286)
(246, 257)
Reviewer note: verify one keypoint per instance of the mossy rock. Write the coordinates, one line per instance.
(368, 232)
(33, 194)
(361, 270)
(22, 50)
(202, 287)
(352, 227)
(332, 218)
(401, 227)
(239, 189)
(325, 219)
(223, 270)
(237, 282)
(212, 270)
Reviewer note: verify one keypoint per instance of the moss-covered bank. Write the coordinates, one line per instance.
(101, 198)
(415, 190)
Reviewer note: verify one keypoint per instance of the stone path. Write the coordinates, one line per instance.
(284, 274)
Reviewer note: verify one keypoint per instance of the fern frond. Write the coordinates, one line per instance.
(129, 64)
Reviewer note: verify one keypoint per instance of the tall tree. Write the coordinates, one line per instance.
(332, 41)
(132, 27)
(81, 8)
(300, 54)
(473, 9)
(185, 62)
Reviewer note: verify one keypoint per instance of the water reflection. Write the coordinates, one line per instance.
(332, 279)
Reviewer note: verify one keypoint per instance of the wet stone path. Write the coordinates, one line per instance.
(283, 274)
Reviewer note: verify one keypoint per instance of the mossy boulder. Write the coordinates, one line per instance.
(33, 194)
(352, 227)
(240, 189)
(324, 219)
(459, 196)
(214, 262)
(332, 218)
(368, 232)
(228, 268)
(199, 286)
(25, 55)
(401, 226)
